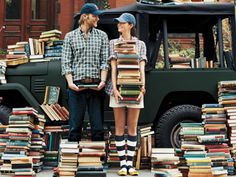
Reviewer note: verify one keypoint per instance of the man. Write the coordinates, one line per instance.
(84, 61)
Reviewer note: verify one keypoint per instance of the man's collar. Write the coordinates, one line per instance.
(80, 30)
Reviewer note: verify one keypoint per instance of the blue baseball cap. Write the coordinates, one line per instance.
(90, 8)
(126, 17)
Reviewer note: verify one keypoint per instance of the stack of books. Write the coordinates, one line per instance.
(164, 162)
(52, 137)
(145, 144)
(37, 146)
(50, 105)
(68, 158)
(190, 131)
(47, 47)
(21, 124)
(3, 140)
(16, 54)
(22, 166)
(3, 67)
(128, 71)
(191, 148)
(91, 158)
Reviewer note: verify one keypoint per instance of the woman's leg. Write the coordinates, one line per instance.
(133, 115)
(120, 120)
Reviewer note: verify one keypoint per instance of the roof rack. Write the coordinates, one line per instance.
(152, 2)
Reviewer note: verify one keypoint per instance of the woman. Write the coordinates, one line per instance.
(126, 28)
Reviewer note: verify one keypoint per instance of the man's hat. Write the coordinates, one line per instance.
(90, 8)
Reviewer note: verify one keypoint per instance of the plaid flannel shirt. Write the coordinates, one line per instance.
(85, 58)
(141, 51)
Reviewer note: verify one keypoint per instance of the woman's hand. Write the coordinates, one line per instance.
(117, 95)
(141, 94)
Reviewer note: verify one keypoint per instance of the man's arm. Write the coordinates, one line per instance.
(104, 61)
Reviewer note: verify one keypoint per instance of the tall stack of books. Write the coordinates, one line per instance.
(3, 140)
(3, 67)
(128, 75)
(164, 162)
(16, 53)
(37, 146)
(68, 158)
(53, 134)
(91, 158)
(227, 97)
(21, 124)
(189, 148)
(145, 145)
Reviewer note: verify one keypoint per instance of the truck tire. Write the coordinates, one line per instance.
(168, 127)
(4, 114)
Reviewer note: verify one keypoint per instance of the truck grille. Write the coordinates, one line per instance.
(39, 85)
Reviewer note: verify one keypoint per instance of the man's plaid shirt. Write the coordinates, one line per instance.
(85, 58)
(141, 51)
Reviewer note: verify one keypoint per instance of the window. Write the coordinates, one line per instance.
(13, 9)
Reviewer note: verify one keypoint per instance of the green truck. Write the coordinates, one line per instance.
(174, 95)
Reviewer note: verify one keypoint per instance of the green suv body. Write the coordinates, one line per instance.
(173, 95)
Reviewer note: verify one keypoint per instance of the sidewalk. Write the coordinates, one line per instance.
(110, 173)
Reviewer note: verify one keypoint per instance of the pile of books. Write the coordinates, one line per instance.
(50, 105)
(68, 158)
(164, 162)
(53, 134)
(145, 144)
(91, 158)
(128, 71)
(3, 140)
(16, 54)
(37, 146)
(21, 124)
(3, 67)
(48, 46)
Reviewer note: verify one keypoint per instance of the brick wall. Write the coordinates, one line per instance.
(67, 10)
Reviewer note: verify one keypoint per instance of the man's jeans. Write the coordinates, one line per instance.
(78, 101)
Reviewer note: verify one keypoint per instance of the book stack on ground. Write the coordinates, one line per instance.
(183, 167)
(53, 134)
(68, 158)
(164, 162)
(16, 54)
(190, 131)
(3, 67)
(50, 105)
(37, 146)
(91, 159)
(22, 167)
(145, 145)
(3, 140)
(21, 124)
(128, 71)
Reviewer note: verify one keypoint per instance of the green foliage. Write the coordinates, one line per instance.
(102, 4)
(3, 52)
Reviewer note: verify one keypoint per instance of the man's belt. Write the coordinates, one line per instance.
(89, 80)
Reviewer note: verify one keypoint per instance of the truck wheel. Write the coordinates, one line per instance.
(4, 114)
(168, 127)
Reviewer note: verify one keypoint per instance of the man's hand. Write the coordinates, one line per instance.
(75, 87)
(100, 86)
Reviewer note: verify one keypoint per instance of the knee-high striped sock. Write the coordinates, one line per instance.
(131, 142)
(120, 146)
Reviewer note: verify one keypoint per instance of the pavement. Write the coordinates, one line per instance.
(110, 173)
